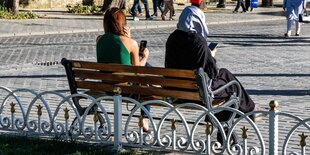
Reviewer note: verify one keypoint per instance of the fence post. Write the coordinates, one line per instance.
(117, 120)
(273, 127)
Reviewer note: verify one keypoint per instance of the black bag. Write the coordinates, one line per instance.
(304, 18)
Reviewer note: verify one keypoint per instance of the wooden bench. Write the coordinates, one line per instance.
(188, 85)
(153, 81)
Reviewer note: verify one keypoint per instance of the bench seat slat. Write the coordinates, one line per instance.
(142, 90)
(140, 78)
(134, 69)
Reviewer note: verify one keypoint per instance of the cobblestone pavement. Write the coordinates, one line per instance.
(64, 23)
(269, 66)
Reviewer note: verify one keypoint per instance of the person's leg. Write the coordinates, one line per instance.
(155, 2)
(146, 7)
(145, 118)
(290, 21)
(139, 8)
(170, 7)
(134, 7)
(165, 11)
(247, 4)
(225, 76)
(159, 5)
(243, 6)
(298, 25)
(148, 108)
(289, 27)
(237, 6)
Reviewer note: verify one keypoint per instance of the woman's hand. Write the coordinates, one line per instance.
(145, 53)
(127, 32)
(213, 52)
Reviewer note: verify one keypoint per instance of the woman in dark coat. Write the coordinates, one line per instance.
(187, 48)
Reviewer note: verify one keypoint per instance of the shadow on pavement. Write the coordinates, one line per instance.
(273, 13)
(33, 76)
(275, 75)
(264, 40)
(291, 92)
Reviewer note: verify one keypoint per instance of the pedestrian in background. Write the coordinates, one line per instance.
(138, 8)
(146, 7)
(240, 3)
(168, 7)
(157, 4)
(293, 9)
(247, 4)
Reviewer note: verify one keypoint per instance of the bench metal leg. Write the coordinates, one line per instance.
(117, 124)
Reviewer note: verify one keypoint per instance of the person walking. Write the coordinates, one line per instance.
(157, 4)
(247, 4)
(240, 3)
(168, 7)
(146, 7)
(138, 8)
(293, 8)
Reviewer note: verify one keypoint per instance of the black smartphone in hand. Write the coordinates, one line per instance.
(142, 46)
(212, 46)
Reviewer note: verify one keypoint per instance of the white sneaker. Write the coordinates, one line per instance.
(135, 19)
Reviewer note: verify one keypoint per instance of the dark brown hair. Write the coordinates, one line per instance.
(114, 21)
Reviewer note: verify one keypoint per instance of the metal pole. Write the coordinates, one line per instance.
(273, 128)
(117, 120)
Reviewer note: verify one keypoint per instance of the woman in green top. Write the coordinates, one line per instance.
(117, 46)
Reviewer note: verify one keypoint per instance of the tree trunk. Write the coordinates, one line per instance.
(15, 7)
(113, 3)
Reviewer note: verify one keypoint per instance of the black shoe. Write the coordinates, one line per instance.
(286, 35)
(243, 11)
(296, 34)
(154, 15)
(148, 18)
(235, 11)
(131, 13)
(163, 17)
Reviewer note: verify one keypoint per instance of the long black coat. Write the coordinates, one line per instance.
(187, 50)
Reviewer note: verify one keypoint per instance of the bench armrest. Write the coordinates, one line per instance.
(233, 97)
(207, 94)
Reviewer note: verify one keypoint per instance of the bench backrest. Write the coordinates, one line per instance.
(175, 83)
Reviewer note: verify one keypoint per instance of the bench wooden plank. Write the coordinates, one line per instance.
(134, 69)
(137, 78)
(142, 90)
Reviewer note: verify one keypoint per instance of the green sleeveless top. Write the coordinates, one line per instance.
(110, 49)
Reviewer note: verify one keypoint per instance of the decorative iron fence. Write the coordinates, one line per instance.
(180, 128)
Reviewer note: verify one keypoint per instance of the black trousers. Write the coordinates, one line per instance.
(240, 3)
(246, 103)
(247, 4)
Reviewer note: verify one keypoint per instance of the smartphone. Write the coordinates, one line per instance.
(212, 46)
(142, 46)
